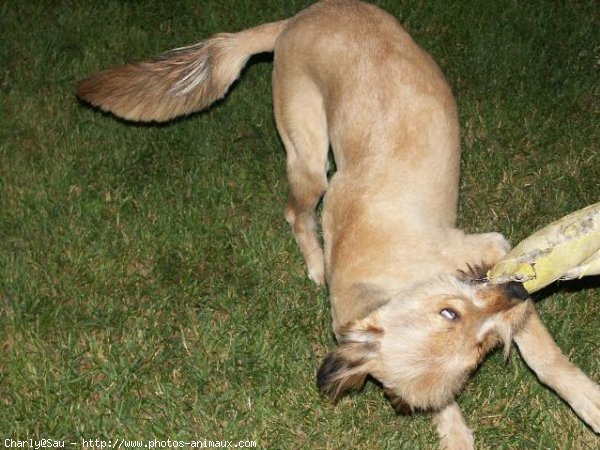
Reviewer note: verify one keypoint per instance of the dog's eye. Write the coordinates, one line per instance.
(449, 313)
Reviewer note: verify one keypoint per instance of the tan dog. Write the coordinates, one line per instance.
(347, 75)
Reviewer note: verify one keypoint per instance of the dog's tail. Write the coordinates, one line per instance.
(181, 81)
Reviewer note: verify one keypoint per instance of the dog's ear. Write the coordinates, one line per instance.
(348, 365)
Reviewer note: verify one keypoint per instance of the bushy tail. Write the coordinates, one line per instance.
(181, 81)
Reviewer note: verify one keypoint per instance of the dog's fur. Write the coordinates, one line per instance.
(347, 75)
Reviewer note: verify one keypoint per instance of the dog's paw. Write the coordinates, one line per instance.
(316, 269)
(453, 431)
(458, 441)
(587, 406)
(498, 244)
(452, 445)
(491, 247)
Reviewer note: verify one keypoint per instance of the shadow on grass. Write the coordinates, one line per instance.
(570, 286)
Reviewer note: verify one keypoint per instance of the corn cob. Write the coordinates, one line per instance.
(567, 248)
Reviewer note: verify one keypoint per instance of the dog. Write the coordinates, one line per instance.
(409, 304)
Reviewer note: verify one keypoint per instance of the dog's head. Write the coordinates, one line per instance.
(423, 344)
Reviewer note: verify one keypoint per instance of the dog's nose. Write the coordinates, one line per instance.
(516, 290)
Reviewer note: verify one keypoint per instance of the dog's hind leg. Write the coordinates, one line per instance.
(302, 125)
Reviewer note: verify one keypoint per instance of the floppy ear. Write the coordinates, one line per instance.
(348, 365)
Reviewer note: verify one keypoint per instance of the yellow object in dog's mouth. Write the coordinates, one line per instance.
(566, 249)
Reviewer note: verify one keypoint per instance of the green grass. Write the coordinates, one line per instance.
(149, 286)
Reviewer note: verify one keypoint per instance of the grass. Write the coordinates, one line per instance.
(149, 286)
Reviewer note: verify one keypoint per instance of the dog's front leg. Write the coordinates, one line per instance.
(551, 366)
(452, 429)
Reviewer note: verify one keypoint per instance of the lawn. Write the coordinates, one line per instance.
(149, 285)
